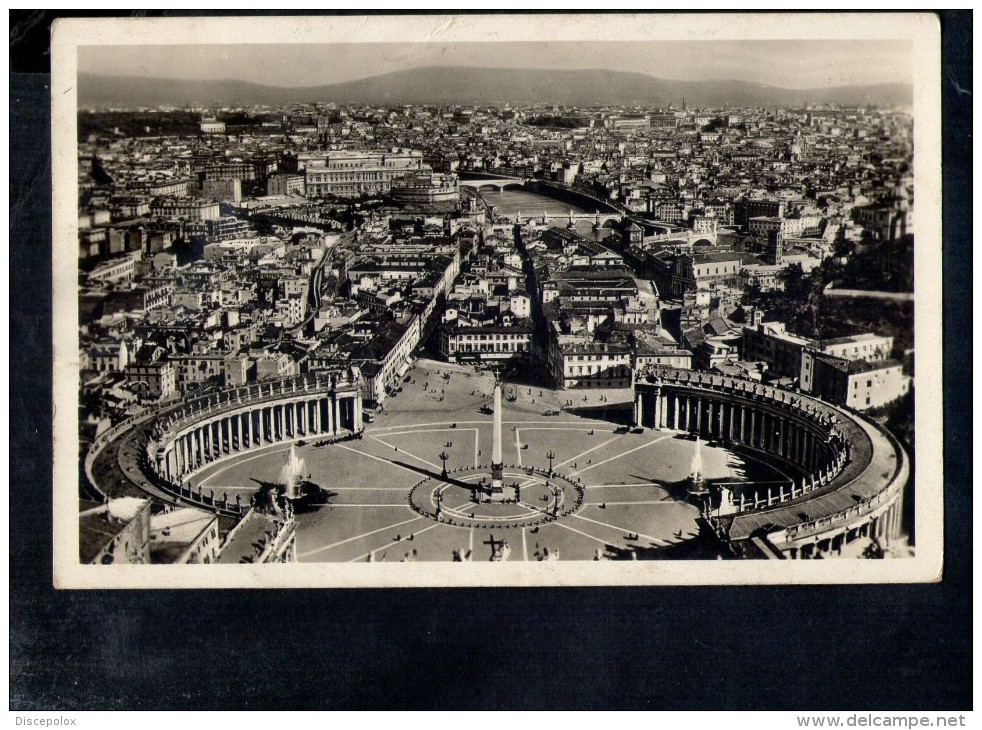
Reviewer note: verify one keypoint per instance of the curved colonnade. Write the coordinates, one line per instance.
(849, 473)
(161, 454)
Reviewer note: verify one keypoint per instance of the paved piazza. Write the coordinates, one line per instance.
(618, 492)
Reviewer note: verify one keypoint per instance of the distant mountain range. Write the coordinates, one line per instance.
(489, 86)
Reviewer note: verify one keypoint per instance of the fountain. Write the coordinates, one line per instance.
(697, 485)
(292, 475)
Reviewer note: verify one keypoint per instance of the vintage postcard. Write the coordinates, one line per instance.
(497, 300)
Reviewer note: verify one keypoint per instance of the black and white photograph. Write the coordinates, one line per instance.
(497, 300)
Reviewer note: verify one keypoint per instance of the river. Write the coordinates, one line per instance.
(512, 202)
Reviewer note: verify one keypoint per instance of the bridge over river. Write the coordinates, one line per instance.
(538, 202)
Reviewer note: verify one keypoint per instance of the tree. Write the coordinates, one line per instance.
(795, 285)
(752, 293)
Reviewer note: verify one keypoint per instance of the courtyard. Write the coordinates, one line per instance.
(628, 502)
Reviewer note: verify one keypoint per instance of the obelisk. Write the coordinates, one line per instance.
(496, 460)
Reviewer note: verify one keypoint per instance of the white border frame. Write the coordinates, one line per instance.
(921, 29)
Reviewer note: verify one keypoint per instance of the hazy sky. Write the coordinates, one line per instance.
(791, 64)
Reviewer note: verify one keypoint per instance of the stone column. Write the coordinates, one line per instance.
(898, 509)
(336, 413)
(638, 405)
(196, 447)
(183, 454)
(677, 411)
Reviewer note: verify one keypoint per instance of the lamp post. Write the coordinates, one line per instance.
(550, 455)
(444, 456)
